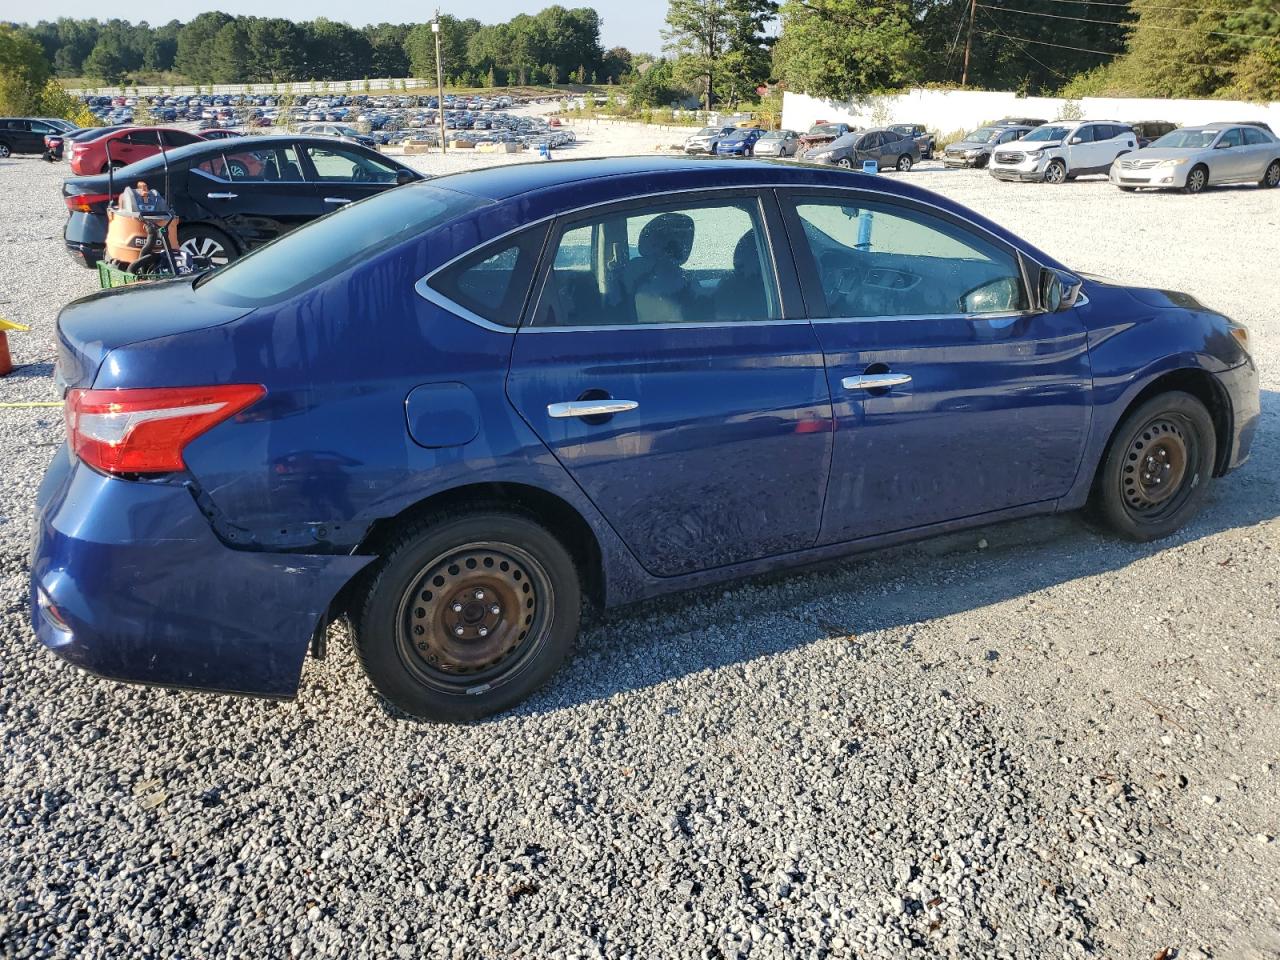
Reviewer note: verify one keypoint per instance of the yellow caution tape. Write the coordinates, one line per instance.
(33, 403)
(12, 325)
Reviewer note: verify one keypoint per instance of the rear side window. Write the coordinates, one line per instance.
(493, 282)
(325, 247)
(1253, 136)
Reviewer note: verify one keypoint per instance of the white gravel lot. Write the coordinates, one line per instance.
(1031, 741)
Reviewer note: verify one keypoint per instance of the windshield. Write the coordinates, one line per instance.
(773, 135)
(738, 135)
(982, 134)
(333, 243)
(829, 129)
(348, 132)
(840, 142)
(706, 132)
(1047, 133)
(1186, 139)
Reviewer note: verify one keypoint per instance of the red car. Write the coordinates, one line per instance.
(127, 145)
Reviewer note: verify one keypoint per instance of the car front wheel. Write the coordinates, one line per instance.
(1158, 468)
(1056, 172)
(468, 615)
(1197, 180)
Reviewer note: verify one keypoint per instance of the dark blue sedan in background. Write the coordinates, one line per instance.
(455, 411)
(740, 143)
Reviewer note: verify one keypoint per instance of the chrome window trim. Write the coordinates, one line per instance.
(424, 289)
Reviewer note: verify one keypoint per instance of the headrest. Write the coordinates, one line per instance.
(668, 236)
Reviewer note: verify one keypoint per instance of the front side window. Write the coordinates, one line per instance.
(666, 263)
(338, 164)
(1232, 138)
(876, 260)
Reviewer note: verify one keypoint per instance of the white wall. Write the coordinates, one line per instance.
(947, 110)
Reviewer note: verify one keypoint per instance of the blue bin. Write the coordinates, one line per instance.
(870, 166)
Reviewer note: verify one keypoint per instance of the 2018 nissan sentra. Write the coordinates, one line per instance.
(236, 193)
(455, 411)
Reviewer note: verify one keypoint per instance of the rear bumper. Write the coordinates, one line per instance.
(86, 237)
(143, 591)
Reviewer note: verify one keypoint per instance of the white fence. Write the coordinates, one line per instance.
(266, 89)
(949, 110)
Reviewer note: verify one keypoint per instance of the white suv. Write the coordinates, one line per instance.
(1061, 151)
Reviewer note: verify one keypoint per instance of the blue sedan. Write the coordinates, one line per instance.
(458, 410)
(740, 143)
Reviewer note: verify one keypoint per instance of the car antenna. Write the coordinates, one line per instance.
(164, 158)
(111, 171)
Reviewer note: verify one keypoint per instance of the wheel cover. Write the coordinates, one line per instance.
(474, 615)
(1273, 174)
(846, 163)
(208, 248)
(1157, 468)
(1196, 182)
(904, 163)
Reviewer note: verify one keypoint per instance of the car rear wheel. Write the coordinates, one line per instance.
(4, 151)
(1197, 179)
(845, 162)
(1272, 177)
(206, 243)
(1158, 467)
(1056, 172)
(904, 163)
(468, 615)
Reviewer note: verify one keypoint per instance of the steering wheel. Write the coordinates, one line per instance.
(362, 175)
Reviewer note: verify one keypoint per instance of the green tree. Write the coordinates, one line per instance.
(846, 48)
(229, 58)
(653, 86)
(697, 34)
(194, 58)
(23, 71)
(455, 34)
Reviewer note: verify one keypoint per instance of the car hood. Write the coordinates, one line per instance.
(1167, 153)
(1023, 147)
(968, 145)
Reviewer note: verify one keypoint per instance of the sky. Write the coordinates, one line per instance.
(634, 24)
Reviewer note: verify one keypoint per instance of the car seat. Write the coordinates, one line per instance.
(656, 279)
(741, 295)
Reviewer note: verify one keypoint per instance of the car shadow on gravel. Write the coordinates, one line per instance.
(650, 643)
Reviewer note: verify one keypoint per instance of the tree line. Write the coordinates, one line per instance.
(723, 51)
(557, 45)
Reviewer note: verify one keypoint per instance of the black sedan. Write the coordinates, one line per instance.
(235, 194)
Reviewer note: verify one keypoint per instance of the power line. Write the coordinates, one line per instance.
(1114, 23)
(1052, 70)
(1128, 6)
(1101, 53)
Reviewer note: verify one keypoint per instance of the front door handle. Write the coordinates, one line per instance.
(336, 200)
(590, 408)
(876, 381)
(222, 196)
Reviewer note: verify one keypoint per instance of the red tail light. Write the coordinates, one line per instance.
(145, 431)
(83, 202)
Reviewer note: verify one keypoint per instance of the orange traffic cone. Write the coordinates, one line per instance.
(6, 362)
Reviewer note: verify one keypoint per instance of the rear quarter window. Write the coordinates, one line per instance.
(493, 282)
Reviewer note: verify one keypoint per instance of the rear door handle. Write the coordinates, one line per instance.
(876, 381)
(336, 200)
(222, 196)
(590, 408)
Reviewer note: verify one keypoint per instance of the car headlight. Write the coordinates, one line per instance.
(821, 156)
(973, 153)
(1179, 162)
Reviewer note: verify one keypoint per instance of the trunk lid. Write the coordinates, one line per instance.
(90, 328)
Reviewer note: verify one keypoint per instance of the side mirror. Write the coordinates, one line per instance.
(1058, 290)
(1223, 146)
(403, 177)
(1074, 140)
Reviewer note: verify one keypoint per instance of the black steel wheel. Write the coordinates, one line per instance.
(467, 616)
(1158, 467)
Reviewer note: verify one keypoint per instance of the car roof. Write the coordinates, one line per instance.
(1223, 124)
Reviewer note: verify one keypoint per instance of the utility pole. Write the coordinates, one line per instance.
(968, 43)
(435, 29)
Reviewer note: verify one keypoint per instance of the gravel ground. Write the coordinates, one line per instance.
(1031, 741)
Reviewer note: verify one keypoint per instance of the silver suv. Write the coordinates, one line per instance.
(1063, 150)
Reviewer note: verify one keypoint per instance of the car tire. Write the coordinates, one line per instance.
(1055, 172)
(4, 151)
(905, 163)
(845, 163)
(1158, 467)
(1271, 178)
(451, 572)
(981, 163)
(1197, 179)
(208, 243)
